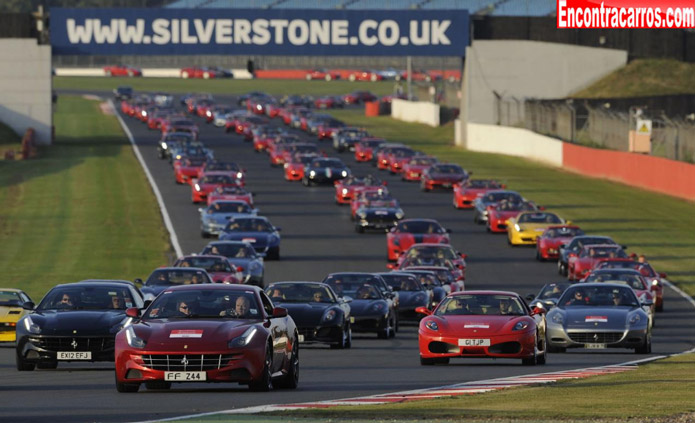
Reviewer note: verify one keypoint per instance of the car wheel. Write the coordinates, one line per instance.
(539, 257)
(452, 79)
(348, 343)
(646, 347)
(427, 361)
(385, 333)
(423, 187)
(374, 78)
(291, 378)
(394, 327)
(265, 381)
(157, 385)
(660, 307)
(352, 78)
(24, 366)
(130, 74)
(476, 218)
(127, 387)
(428, 78)
(46, 365)
(533, 360)
(329, 77)
(206, 75)
(541, 358)
(343, 343)
(107, 72)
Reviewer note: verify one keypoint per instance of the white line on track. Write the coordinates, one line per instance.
(162, 207)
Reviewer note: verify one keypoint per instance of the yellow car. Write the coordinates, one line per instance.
(11, 301)
(526, 227)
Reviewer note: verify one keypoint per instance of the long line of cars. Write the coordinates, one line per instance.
(202, 318)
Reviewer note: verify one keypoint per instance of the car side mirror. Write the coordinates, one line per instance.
(463, 256)
(448, 230)
(347, 299)
(137, 281)
(662, 275)
(200, 209)
(530, 297)
(133, 312)
(277, 228)
(423, 310)
(279, 312)
(537, 310)
(541, 207)
(391, 266)
(647, 302)
(29, 306)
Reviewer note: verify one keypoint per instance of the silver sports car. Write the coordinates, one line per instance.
(597, 316)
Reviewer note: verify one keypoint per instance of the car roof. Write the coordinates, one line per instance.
(510, 293)
(11, 290)
(617, 270)
(215, 286)
(108, 281)
(95, 283)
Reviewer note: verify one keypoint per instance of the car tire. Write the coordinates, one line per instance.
(385, 333)
(646, 347)
(206, 75)
(441, 360)
(47, 365)
(265, 382)
(130, 74)
(345, 340)
(185, 75)
(107, 72)
(539, 257)
(204, 234)
(291, 379)
(359, 229)
(127, 387)
(24, 366)
(659, 308)
(374, 78)
(157, 385)
(427, 361)
(541, 358)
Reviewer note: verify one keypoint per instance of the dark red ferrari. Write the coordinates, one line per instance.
(208, 333)
(414, 231)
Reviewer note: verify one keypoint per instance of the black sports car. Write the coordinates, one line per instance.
(320, 315)
(325, 170)
(431, 282)
(378, 214)
(411, 294)
(165, 277)
(74, 322)
(548, 295)
(372, 309)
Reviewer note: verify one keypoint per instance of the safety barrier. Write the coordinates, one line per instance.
(146, 72)
(514, 142)
(415, 111)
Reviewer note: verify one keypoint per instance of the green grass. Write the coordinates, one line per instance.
(223, 86)
(660, 389)
(82, 209)
(8, 135)
(659, 226)
(644, 77)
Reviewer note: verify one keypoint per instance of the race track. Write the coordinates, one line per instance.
(317, 238)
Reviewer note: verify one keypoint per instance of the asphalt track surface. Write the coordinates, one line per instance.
(318, 237)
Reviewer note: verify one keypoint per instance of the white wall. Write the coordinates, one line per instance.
(528, 69)
(415, 111)
(25, 87)
(514, 142)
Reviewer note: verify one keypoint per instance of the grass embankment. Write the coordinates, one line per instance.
(659, 226)
(82, 209)
(223, 86)
(9, 141)
(644, 77)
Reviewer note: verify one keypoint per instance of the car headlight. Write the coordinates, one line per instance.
(255, 266)
(521, 325)
(31, 326)
(655, 282)
(239, 175)
(144, 113)
(127, 321)
(344, 173)
(400, 214)
(432, 325)
(361, 214)
(244, 339)
(273, 239)
(133, 339)
(312, 173)
(329, 315)
(397, 241)
(286, 165)
(635, 319)
(197, 187)
(208, 113)
(164, 146)
(557, 318)
(518, 228)
(345, 191)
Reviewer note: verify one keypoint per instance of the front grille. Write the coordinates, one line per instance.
(596, 337)
(73, 343)
(187, 362)
(5, 327)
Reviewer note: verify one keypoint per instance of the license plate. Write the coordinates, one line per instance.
(185, 376)
(248, 240)
(595, 346)
(74, 355)
(474, 342)
(328, 173)
(352, 319)
(301, 338)
(381, 212)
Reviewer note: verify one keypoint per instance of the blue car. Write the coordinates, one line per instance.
(257, 231)
(242, 255)
(214, 218)
(411, 294)
(165, 277)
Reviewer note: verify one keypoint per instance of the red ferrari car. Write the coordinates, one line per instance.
(466, 193)
(430, 254)
(494, 324)
(230, 193)
(208, 333)
(358, 97)
(218, 267)
(655, 280)
(294, 168)
(204, 73)
(365, 75)
(442, 175)
(364, 149)
(346, 189)
(187, 169)
(324, 74)
(398, 157)
(383, 153)
(499, 213)
(200, 188)
(579, 265)
(412, 170)
(414, 231)
(122, 70)
(224, 168)
(327, 102)
(548, 244)
(421, 75)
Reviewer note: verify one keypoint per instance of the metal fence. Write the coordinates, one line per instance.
(596, 123)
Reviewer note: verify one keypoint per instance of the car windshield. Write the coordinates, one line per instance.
(87, 297)
(603, 252)
(204, 304)
(326, 163)
(496, 197)
(304, 149)
(230, 250)
(633, 280)
(216, 179)
(644, 268)
(166, 277)
(179, 137)
(427, 279)
(563, 232)
(422, 161)
(447, 169)
(483, 183)
(248, 225)
(300, 293)
(352, 133)
(432, 252)
(371, 144)
(182, 122)
(539, 218)
(10, 299)
(480, 305)
(419, 227)
(578, 243)
(598, 296)
(229, 207)
(361, 287)
(400, 282)
(553, 290)
(222, 166)
(211, 264)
